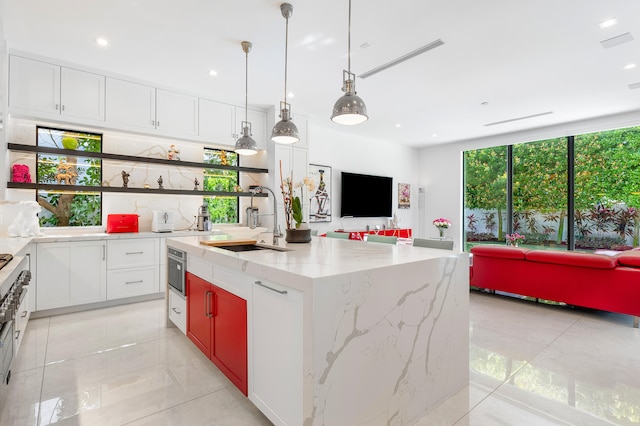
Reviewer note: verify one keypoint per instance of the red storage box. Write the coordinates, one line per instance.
(122, 223)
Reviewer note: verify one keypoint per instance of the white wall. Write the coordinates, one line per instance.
(441, 174)
(351, 153)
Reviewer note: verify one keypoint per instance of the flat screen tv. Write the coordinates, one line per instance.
(365, 195)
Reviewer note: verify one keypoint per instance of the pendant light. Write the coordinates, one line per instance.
(285, 131)
(245, 145)
(349, 109)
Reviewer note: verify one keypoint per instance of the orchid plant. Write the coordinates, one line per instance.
(293, 203)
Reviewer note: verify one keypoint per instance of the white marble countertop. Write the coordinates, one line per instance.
(322, 257)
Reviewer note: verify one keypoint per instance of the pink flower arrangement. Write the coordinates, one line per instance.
(442, 223)
(514, 238)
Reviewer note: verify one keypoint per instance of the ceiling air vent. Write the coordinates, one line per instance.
(403, 58)
(519, 118)
(617, 40)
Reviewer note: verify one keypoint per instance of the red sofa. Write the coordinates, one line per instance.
(598, 281)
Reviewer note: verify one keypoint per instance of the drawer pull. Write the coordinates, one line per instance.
(18, 334)
(135, 252)
(271, 288)
(24, 314)
(176, 311)
(134, 282)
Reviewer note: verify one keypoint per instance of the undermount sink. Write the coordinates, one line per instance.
(243, 247)
(251, 247)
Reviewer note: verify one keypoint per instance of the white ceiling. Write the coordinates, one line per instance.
(523, 57)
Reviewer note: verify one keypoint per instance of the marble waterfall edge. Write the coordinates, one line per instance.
(394, 347)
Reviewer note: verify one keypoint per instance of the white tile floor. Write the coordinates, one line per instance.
(530, 364)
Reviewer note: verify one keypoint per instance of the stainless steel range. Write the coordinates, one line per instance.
(13, 290)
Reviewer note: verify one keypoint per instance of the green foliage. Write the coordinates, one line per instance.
(221, 209)
(84, 209)
(296, 206)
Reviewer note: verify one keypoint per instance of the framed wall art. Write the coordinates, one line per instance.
(404, 196)
(320, 200)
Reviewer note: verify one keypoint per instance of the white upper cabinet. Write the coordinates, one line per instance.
(131, 104)
(54, 91)
(176, 114)
(142, 107)
(217, 122)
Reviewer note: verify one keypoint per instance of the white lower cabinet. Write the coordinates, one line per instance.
(178, 311)
(133, 267)
(132, 282)
(275, 385)
(70, 273)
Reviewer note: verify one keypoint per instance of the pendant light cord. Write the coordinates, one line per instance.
(286, 54)
(349, 41)
(246, 86)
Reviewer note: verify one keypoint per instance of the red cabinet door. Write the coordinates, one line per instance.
(229, 347)
(199, 302)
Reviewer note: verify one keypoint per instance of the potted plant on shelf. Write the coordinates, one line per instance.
(293, 211)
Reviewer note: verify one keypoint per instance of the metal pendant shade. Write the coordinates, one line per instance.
(285, 131)
(349, 109)
(246, 145)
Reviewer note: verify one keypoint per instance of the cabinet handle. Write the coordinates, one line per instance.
(103, 252)
(176, 311)
(135, 252)
(24, 314)
(215, 304)
(207, 310)
(153, 122)
(57, 106)
(62, 108)
(157, 124)
(134, 282)
(271, 288)
(18, 334)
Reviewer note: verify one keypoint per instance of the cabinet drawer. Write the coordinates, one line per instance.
(178, 311)
(132, 253)
(132, 282)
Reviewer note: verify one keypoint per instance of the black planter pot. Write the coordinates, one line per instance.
(298, 236)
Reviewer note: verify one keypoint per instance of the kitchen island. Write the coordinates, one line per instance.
(344, 332)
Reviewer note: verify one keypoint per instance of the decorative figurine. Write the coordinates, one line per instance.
(147, 186)
(160, 183)
(173, 153)
(237, 188)
(67, 176)
(125, 179)
(195, 184)
(222, 155)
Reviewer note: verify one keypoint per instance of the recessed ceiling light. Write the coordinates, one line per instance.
(629, 66)
(434, 135)
(290, 95)
(101, 41)
(213, 73)
(398, 125)
(608, 23)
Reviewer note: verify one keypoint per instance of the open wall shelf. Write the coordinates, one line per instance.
(83, 188)
(119, 157)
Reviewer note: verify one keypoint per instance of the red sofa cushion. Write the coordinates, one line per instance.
(585, 260)
(503, 252)
(629, 258)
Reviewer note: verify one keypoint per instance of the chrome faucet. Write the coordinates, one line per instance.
(276, 229)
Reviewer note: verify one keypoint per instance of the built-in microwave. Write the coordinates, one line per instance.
(176, 263)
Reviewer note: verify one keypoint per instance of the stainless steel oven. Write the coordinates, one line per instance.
(13, 290)
(176, 262)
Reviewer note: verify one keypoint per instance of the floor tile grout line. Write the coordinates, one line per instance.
(44, 366)
(175, 405)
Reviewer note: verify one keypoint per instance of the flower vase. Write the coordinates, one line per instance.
(441, 231)
(298, 236)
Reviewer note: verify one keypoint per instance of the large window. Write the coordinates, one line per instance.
(221, 209)
(579, 192)
(75, 207)
(539, 191)
(485, 198)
